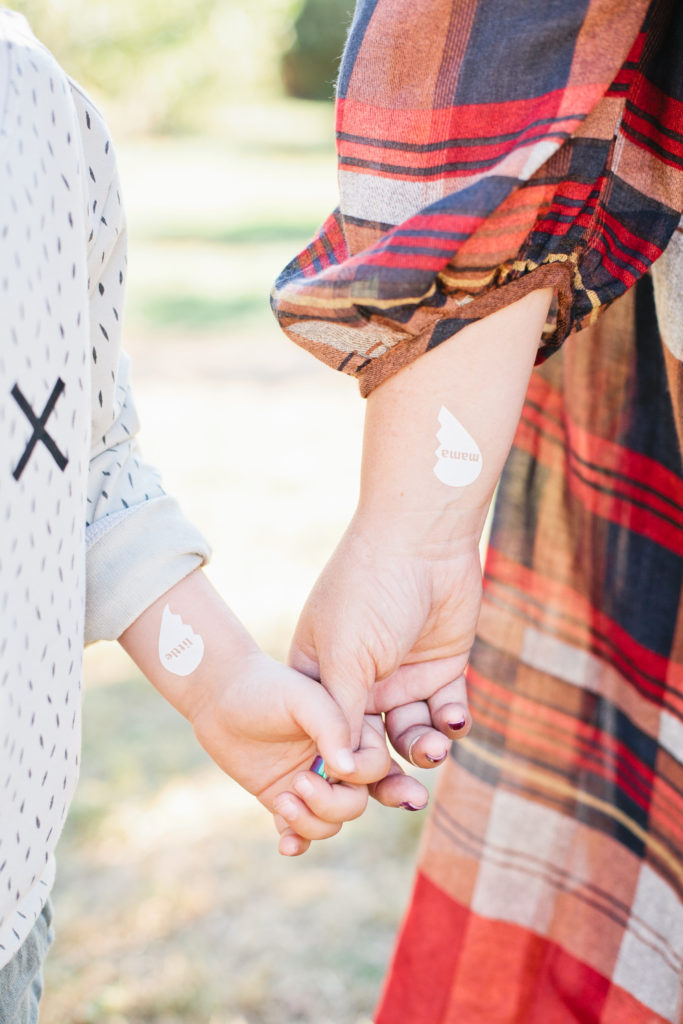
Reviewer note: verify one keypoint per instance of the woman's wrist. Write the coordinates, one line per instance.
(431, 533)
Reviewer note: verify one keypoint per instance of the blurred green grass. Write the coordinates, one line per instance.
(214, 220)
(169, 66)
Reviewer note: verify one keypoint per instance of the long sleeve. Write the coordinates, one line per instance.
(70, 472)
(486, 148)
(139, 544)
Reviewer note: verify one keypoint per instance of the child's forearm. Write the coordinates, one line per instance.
(187, 643)
(258, 719)
(437, 433)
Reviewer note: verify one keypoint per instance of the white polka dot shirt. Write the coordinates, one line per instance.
(88, 539)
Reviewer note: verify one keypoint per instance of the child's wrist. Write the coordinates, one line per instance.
(228, 661)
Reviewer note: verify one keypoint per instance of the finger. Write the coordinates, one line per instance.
(291, 844)
(372, 758)
(373, 724)
(400, 790)
(294, 844)
(350, 694)
(280, 824)
(350, 702)
(335, 804)
(415, 681)
(449, 710)
(298, 817)
(371, 764)
(322, 719)
(303, 662)
(410, 730)
(348, 686)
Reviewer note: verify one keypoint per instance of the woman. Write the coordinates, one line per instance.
(492, 155)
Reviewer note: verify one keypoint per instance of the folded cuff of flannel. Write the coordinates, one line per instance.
(454, 316)
(129, 565)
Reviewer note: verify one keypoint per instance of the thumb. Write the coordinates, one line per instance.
(351, 695)
(347, 688)
(323, 720)
(306, 663)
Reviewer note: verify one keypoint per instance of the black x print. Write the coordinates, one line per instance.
(39, 431)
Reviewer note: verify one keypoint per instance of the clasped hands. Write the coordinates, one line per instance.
(389, 625)
(388, 631)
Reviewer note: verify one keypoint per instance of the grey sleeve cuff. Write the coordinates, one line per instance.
(133, 561)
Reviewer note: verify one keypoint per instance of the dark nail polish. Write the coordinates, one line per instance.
(437, 760)
(412, 807)
(455, 726)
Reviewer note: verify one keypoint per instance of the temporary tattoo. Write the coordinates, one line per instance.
(180, 648)
(458, 459)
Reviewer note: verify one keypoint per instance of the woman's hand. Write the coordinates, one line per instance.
(390, 623)
(389, 628)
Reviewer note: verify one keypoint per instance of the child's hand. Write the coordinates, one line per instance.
(412, 735)
(265, 731)
(261, 722)
(317, 803)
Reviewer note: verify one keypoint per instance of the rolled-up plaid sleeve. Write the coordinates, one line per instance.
(487, 148)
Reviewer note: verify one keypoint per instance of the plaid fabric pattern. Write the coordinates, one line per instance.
(485, 148)
(550, 883)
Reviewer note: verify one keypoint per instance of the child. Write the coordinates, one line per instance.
(71, 481)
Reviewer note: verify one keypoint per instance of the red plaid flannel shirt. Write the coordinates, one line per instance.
(486, 148)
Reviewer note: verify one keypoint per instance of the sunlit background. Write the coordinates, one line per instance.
(172, 902)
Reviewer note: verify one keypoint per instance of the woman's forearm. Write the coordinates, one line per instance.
(438, 432)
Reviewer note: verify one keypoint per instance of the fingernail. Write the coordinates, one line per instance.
(303, 786)
(286, 807)
(289, 847)
(344, 762)
(455, 726)
(437, 760)
(411, 807)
